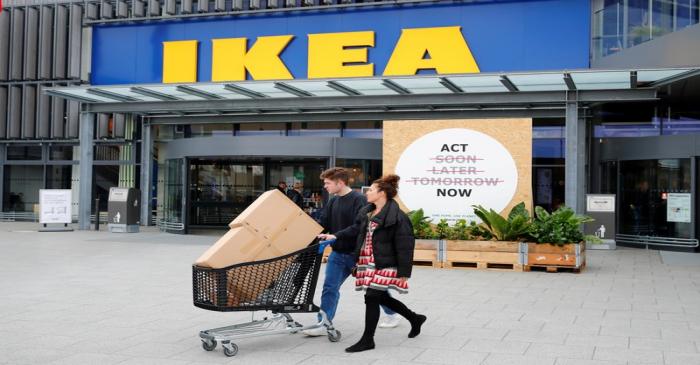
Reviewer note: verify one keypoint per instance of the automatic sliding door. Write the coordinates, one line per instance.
(221, 189)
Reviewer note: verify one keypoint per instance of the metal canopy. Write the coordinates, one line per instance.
(453, 93)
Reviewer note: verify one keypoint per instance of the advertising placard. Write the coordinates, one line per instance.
(55, 206)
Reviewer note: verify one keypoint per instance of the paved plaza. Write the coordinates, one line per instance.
(90, 297)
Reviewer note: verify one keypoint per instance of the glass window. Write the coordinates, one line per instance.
(23, 152)
(208, 130)
(362, 172)
(370, 129)
(173, 191)
(21, 187)
(113, 152)
(221, 189)
(261, 129)
(61, 153)
(60, 177)
(548, 186)
(315, 129)
(548, 148)
(645, 187)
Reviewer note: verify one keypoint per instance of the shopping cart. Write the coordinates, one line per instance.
(281, 285)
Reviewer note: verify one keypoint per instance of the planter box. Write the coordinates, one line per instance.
(427, 253)
(553, 257)
(483, 255)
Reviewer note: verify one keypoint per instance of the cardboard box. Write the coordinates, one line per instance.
(272, 226)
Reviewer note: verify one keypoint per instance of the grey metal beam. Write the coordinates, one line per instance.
(570, 84)
(633, 79)
(87, 121)
(146, 172)
(292, 90)
(360, 116)
(672, 79)
(343, 88)
(245, 92)
(395, 87)
(63, 95)
(444, 81)
(154, 94)
(575, 162)
(2, 177)
(508, 84)
(110, 95)
(379, 101)
(198, 93)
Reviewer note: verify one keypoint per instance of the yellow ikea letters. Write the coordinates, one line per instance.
(230, 59)
(330, 55)
(446, 48)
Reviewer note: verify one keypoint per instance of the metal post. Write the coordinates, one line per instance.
(575, 168)
(97, 213)
(146, 172)
(2, 172)
(87, 121)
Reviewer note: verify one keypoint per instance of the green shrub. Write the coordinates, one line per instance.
(512, 228)
(561, 226)
(422, 229)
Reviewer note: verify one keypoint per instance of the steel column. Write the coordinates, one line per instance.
(87, 131)
(146, 172)
(575, 165)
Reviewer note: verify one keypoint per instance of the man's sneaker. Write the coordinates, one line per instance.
(315, 332)
(390, 321)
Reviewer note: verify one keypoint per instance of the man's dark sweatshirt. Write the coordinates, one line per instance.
(338, 217)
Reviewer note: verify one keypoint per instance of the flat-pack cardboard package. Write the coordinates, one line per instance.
(272, 226)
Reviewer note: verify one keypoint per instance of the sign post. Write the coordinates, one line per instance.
(55, 210)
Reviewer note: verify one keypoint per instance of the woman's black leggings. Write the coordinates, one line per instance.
(373, 299)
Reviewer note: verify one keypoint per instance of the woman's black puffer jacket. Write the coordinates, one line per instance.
(392, 241)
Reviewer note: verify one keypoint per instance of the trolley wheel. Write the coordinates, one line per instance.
(230, 349)
(334, 335)
(208, 345)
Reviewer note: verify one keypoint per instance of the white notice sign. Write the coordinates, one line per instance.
(55, 206)
(600, 203)
(678, 207)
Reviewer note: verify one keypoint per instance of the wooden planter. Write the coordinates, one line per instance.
(426, 253)
(554, 257)
(483, 255)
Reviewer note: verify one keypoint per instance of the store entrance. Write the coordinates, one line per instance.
(221, 188)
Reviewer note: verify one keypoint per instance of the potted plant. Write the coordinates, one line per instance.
(491, 244)
(557, 240)
(427, 240)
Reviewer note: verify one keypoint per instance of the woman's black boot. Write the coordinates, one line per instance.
(416, 323)
(362, 345)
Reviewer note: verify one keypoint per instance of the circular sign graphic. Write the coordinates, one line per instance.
(447, 171)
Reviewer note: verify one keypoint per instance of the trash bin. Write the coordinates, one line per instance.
(124, 210)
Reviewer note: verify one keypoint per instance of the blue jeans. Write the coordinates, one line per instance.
(338, 268)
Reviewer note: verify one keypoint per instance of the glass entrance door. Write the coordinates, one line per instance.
(174, 202)
(304, 172)
(655, 198)
(219, 190)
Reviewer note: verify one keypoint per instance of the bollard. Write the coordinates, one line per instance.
(97, 214)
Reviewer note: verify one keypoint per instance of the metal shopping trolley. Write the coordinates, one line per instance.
(281, 285)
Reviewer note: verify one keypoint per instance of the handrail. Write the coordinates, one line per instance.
(656, 241)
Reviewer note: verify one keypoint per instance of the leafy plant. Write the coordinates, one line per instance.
(443, 229)
(477, 232)
(460, 231)
(561, 226)
(421, 225)
(505, 229)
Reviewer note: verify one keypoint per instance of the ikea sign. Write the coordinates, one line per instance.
(454, 38)
(330, 55)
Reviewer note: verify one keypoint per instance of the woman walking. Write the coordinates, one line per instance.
(384, 255)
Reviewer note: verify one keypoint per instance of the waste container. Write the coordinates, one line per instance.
(124, 210)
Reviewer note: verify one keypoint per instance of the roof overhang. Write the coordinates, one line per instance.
(534, 93)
